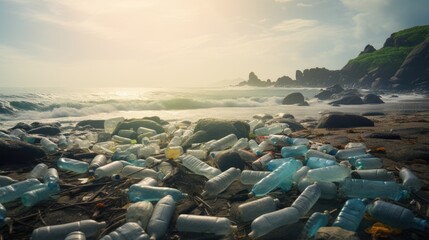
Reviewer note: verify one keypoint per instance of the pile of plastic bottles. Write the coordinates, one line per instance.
(279, 162)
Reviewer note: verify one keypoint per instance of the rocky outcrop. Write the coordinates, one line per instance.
(293, 98)
(14, 152)
(372, 99)
(317, 77)
(284, 81)
(368, 49)
(135, 124)
(343, 120)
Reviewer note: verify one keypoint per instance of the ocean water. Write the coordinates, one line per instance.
(71, 105)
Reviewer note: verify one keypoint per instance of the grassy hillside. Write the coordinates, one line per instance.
(411, 36)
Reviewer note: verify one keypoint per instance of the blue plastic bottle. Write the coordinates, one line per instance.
(51, 178)
(368, 163)
(35, 196)
(396, 216)
(361, 188)
(138, 192)
(292, 151)
(316, 221)
(298, 141)
(409, 180)
(350, 215)
(335, 173)
(72, 165)
(307, 199)
(2, 214)
(14, 191)
(350, 152)
(318, 154)
(275, 163)
(315, 162)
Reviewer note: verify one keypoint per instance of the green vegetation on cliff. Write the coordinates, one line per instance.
(411, 36)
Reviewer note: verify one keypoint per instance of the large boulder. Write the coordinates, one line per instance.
(93, 123)
(135, 124)
(372, 99)
(46, 130)
(348, 100)
(229, 159)
(343, 120)
(13, 152)
(293, 98)
(324, 95)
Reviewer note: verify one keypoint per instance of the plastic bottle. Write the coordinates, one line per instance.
(270, 221)
(127, 231)
(152, 162)
(275, 178)
(2, 214)
(240, 144)
(203, 224)
(62, 141)
(135, 172)
(198, 153)
(278, 139)
(368, 163)
(328, 148)
(350, 152)
(409, 180)
(105, 148)
(148, 181)
(175, 141)
(328, 189)
(138, 192)
(161, 136)
(51, 178)
(76, 235)
(352, 160)
(127, 133)
(318, 154)
(5, 181)
(109, 169)
(354, 145)
(292, 151)
(315, 162)
(97, 161)
(224, 143)
(249, 177)
(48, 145)
(350, 215)
(15, 190)
(300, 174)
(90, 228)
(143, 130)
(307, 199)
(265, 146)
(374, 174)
(35, 196)
(334, 173)
(123, 140)
(251, 210)
(261, 162)
(396, 216)
(316, 221)
(254, 147)
(165, 170)
(275, 163)
(161, 217)
(173, 152)
(361, 188)
(218, 184)
(38, 171)
(199, 167)
(298, 141)
(72, 165)
(140, 212)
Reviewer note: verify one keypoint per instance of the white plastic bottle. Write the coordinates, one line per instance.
(203, 224)
(90, 228)
(140, 212)
(135, 172)
(76, 235)
(218, 184)
(109, 169)
(129, 230)
(250, 210)
(270, 221)
(199, 167)
(307, 199)
(161, 217)
(224, 143)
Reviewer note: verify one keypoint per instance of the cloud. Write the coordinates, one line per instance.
(304, 5)
(294, 25)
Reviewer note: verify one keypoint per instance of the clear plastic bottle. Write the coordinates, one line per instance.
(276, 178)
(361, 188)
(97, 161)
(265, 146)
(374, 174)
(2, 214)
(15, 190)
(300, 174)
(328, 189)
(135, 172)
(148, 181)
(129, 230)
(62, 141)
(36, 196)
(254, 147)
(261, 162)
(327, 148)
(318, 154)
(270, 221)
(90, 228)
(307, 199)
(292, 151)
(350, 215)
(251, 210)
(396, 216)
(173, 152)
(298, 141)
(355, 145)
(165, 170)
(315, 162)
(76, 235)
(38, 171)
(161, 136)
(123, 140)
(218, 184)
(278, 139)
(224, 143)
(161, 217)
(334, 173)
(48, 145)
(138, 192)
(241, 143)
(350, 152)
(140, 212)
(275, 163)
(316, 221)
(368, 163)
(110, 124)
(109, 169)
(199, 167)
(143, 130)
(127, 133)
(249, 177)
(198, 153)
(5, 181)
(203, 224)
(51, 178)
(72, 165)
(175, 141)
(409, 180)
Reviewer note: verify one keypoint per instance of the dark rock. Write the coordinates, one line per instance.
(93, 123)
(229, 159)
(384, 135)
(13, 152)
(324, 95)
(348, 100)
(394, 96)
(217, 128)
(345, 93)
(368, 49)
(343, 120)
(335, 88)
(198, 137)
(285, 115)
(135, 124)
(39, 124)
(293, 125)
(335, 233)
(373, 114)
(45, 130)
(156, 119)
(5, 109)
(293, 98)
(22, 126)
(263, 116)
(284, 81)
(317, 77)
(372, 99)
(305, 103)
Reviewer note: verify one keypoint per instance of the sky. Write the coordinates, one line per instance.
(187, 43)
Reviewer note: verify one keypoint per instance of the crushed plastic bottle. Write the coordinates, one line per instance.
(129, 230)
(199, 167)
(161, 217)
(350, 215)
(250, 210)
(270, 221)
(203, 224)
(72, 165)
(409, 180)
(90, 228)
(316, 221)
(140, 212)
(221, 182)
(361, 188)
